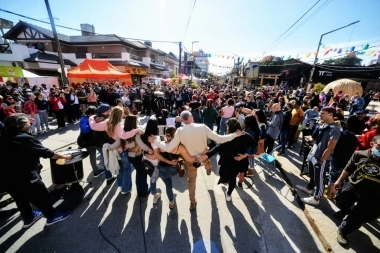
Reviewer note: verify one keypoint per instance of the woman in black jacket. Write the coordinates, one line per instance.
(230, 164)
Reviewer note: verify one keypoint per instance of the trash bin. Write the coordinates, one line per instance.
(71, 171)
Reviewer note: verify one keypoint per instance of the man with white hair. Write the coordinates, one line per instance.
(194, 137)
(274, 127)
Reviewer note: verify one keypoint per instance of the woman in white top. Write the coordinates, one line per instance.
(226, 113)
(152, 129)
(74, 104)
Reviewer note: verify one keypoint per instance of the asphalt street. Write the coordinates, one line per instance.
(264, 216)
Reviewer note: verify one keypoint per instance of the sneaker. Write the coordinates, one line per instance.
(123, 193)
(57, 218)
(47, 129)
(304, 189)
(97, 174)
(111, 180)
(310, 200)
(228, 197)
(39, 132)
(240, 185)
(341, 238)
(250, 172)
(36, 216)
(156, 197)
(281, 153)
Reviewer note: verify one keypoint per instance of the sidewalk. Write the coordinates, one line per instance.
(263, 218)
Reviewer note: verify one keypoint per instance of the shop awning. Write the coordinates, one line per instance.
(158, 67)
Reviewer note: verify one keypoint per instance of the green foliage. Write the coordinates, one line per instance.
(318, 87)
(271, 60)
(172, 74)
(348, 60)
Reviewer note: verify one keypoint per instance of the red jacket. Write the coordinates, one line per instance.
(54, 103)
(367, 138)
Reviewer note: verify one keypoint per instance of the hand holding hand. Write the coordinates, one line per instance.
(173, 162)
(140, 131)
(240, 157)
(202, 158)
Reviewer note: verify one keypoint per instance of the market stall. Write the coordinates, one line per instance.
(21, 76)
(97, 71)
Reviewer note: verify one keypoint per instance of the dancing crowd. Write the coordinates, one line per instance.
(240, 124)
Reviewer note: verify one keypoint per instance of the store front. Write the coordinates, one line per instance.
(137, 73)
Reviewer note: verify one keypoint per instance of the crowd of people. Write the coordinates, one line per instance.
(237, 123)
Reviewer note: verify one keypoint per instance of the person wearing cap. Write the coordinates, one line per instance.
(320, 156)
(358, 122)
(194, 137)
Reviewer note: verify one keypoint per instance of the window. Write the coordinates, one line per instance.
(82, 50)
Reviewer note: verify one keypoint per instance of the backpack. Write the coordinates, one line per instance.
(344, 149)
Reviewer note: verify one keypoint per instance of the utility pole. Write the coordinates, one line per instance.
(316, 54)
(61, 62)
(180, 58)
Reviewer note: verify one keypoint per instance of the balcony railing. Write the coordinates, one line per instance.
(135, 57)
(105, 55)
(156, 62)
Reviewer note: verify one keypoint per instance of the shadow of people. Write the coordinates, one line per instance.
(215, 224)
(172, 234)
(198, 242)
(8, 243)
(153, 228)
(277, 221)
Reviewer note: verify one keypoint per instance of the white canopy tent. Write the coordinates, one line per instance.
(34, 79)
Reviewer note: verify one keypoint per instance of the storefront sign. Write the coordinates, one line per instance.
(325, 73)
(136, 71)
(11, 71)
(154, 71)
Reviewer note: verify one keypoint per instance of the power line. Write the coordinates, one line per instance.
(74, 29)
(188, 22)
(293, 24)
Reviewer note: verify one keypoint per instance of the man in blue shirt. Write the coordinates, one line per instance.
(310, 117)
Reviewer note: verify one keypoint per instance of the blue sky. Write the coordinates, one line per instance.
(242, 27)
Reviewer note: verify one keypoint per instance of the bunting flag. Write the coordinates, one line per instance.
(340, 51)
(366, 47)
(352, 49)
(327, 52)
(335, 49)
(289, 57)
(308, 55)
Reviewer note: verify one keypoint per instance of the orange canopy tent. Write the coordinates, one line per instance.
(96, 69)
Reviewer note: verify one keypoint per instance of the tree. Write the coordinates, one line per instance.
(271, 60)
(348, 60)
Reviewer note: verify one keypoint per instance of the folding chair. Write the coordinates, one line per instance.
(161, 131)
(267, 159)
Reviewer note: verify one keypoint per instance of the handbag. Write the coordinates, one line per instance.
(147, 166)
(260, 147)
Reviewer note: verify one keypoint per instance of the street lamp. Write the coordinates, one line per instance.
(192, 50)
(316, 54)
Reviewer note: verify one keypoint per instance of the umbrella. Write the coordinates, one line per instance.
(348, 86)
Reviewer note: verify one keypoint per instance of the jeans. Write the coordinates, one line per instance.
(141, 176)
(107, 173)
(223, 126)
(92, 151)
(35, 122)
(283, 134)
(44, 120)
(124, 178)
(169, 188)
(334, 174)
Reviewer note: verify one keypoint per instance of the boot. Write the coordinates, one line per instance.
(250, 172)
